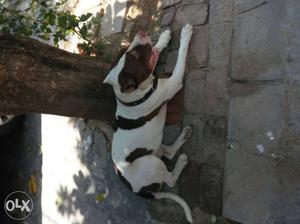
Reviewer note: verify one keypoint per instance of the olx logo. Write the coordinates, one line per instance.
(18, 205)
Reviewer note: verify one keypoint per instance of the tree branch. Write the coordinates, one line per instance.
(35, 77)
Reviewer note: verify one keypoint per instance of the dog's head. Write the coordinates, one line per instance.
(134, 69)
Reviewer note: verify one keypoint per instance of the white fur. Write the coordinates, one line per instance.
(150, 168)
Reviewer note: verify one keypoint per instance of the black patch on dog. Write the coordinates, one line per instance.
(123, 179)
(137, 153)
(129, 124)
(146, 192)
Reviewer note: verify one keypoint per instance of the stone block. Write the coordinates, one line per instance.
(258, 46)
(183, 16)
(215, 129)
(198, 50)
(168, 3)
(192, 2)
(251, 187)
(290, 179)
(214, 153)
(220, 44)
(196, 14)
(294, 109)
(205, 183)
(168, 16)
(245, 5)
(176, 33)
(220, 11)
(256, 118)
(216, 93)
(194, 99)
(214, 134)
(171, 61)
(293, 35)
(194, 146)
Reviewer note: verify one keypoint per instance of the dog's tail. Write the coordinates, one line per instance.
(179, 200)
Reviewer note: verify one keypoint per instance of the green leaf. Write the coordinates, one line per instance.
(5, 29)
(101, 197)
(83, 31)
(12, 23)
(34, 26)
(96, 20)
(62, 20)
(43, 27)
(43, 3)
(44, 36)
(56, 40)
(85, 17)
(72, 21)
(51, 17)
(60, 3)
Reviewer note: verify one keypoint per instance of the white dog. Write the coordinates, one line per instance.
(141, 113)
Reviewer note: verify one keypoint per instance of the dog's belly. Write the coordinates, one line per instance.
(149, 136)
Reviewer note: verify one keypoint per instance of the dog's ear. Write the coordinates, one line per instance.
(108, 80)
(118, 57)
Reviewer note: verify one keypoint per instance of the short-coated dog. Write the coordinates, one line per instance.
(141, 114)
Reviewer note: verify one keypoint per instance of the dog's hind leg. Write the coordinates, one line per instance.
(170, 151)
(172, 177)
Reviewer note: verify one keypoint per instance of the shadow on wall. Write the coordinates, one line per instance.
(100, 196)
(112, 21)
(137, 15)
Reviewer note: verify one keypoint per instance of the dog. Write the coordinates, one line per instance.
(141, 114)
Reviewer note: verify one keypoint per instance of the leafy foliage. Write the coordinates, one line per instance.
(47, 20)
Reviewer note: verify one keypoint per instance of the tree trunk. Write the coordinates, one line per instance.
(35, 77)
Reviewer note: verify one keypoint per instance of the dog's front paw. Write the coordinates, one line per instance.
(187, 132)
(164, 39)
(166, 36)
(186, 33)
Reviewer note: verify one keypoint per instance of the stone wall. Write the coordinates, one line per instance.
(205, 98)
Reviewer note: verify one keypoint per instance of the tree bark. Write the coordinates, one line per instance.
(35, 77)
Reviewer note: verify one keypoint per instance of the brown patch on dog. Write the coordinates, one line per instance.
(138, 153)
(136, 67)
(175, 108)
